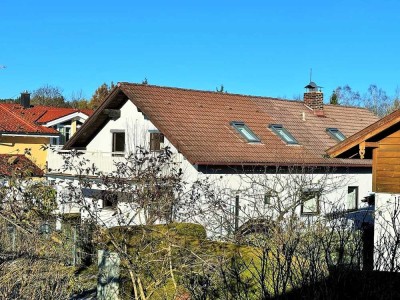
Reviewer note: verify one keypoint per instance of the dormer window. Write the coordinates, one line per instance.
(283, 134)
(336, 134)
(245, 132)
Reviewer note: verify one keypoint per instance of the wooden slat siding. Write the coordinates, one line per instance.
(395, 134)
(387, 161)
(387, 188)
(388, 180)
(387, 147)
(389, 154)
(386, 173)
(386, 165)
(391, 141)
(389, 168)
(374, 168)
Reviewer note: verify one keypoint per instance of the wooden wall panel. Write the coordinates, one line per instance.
(386, 165)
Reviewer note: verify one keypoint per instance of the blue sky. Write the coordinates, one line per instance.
(251, 47)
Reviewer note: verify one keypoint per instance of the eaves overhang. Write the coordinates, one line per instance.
(63, 119)
(365, 135)
(115, 100)
(19, 134)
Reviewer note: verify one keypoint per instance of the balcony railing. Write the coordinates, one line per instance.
(73, 162)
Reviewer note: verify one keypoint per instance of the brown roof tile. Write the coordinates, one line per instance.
(198, 124)
(366, 133)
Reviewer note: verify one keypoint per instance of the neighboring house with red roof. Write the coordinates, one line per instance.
(18, 166)
(239, 142)
(26, 129)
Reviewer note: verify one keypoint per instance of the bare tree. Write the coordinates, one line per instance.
(49, 96)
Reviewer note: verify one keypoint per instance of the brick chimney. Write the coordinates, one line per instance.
(314, 98)
(25, 99)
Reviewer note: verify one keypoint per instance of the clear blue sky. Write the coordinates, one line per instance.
(251, 47)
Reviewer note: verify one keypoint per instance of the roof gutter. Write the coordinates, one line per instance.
(366, 164)
(53, 135)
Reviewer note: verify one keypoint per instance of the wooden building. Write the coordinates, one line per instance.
(381, 143)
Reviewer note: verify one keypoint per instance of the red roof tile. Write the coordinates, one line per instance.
(198, 124)
(14, 118)
(53, 113)
(18, 165)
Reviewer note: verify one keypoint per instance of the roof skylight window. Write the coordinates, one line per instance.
(336, 134)
(283, 133)
(245, 132)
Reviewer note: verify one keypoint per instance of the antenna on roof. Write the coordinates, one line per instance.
(310, 74)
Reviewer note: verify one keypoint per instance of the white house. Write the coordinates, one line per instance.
(264, 157)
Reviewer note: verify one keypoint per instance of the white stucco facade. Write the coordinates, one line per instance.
(387, 232)
(255, 191)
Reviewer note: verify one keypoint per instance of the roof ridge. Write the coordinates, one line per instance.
(206, 91)
(233, 94)
(345, 106)
(33, 127)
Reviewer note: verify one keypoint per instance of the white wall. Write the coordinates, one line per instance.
(226, 186)
(132, 122)
(387, 232)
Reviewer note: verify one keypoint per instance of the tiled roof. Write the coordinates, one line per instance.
(53, 113)
(366, 133)
(18, 165)
(15, 118)
(198, 124)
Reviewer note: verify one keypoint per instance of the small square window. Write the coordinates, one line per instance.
(352, 198)
(156, 141)
(336, 134)
(283, 133)
(245, 132)
(309, 203)
(269, 197)
(110, 200)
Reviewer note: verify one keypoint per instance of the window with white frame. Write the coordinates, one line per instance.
(65, 134)
(65, 131)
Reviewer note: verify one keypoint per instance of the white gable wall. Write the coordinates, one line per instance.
(132, 122)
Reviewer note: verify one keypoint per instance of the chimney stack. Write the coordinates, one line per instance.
(314, 98)
(25, 99)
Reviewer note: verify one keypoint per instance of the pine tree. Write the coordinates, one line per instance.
(334, 99)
